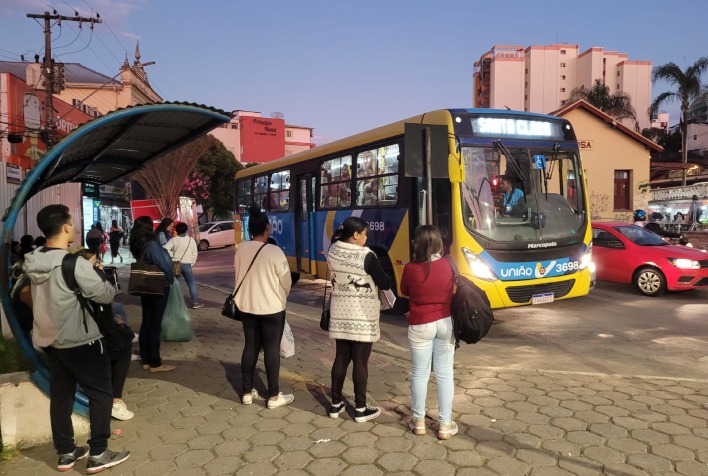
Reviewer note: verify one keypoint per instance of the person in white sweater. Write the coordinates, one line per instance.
(183, 248)
(264, 275)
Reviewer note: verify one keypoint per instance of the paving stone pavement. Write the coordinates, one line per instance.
(521, 422)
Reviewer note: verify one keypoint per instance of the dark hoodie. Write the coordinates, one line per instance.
(59, 320)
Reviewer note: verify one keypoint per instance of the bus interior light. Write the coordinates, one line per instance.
(477, 266)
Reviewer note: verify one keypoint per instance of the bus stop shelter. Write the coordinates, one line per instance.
(103, 150)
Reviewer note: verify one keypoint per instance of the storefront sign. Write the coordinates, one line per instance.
(14, 173)
(90, 190)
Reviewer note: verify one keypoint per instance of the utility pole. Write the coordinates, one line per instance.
(48, 67)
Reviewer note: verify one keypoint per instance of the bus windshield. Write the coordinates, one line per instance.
(523, 193)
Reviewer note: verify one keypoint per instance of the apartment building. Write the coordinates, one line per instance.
(539, 78)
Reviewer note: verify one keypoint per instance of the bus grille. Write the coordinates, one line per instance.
(522, 294)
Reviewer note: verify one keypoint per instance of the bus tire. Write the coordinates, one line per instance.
(295, 277)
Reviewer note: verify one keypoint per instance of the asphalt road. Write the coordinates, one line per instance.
(613, 330)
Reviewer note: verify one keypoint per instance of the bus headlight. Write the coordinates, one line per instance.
(586, 259)
(477, 266)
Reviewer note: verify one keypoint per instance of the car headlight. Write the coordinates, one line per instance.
(683, 263)
(479, 268)
(586, 259)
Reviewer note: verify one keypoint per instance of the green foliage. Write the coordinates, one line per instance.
(12, 359)
(220, 165)
(8, 453)
(617, 105)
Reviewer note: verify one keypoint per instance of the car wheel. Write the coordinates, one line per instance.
(650, 282)
(203, 245)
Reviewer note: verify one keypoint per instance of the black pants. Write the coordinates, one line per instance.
(89, 366)
(262, 331)
(357, 352)
(120, 365)
(149, 336)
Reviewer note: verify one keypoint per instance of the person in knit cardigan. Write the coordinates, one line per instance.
(429, 282)
(357, 276)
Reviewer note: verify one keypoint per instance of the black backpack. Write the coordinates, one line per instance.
(117, 336)
(472, 315)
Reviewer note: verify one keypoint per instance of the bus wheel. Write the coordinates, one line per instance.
(295, 277)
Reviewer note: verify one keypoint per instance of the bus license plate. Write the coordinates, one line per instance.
(542, 298)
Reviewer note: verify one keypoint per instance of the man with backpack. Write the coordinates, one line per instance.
(72, 342)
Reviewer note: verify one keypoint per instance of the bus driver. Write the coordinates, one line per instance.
(510, 196)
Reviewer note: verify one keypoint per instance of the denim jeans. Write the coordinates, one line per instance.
(432, 342)
(189, 278)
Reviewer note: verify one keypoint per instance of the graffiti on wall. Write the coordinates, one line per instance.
(599, 203)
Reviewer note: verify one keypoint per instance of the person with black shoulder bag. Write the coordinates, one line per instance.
(117, 334)
(262, 279)
(145, 248)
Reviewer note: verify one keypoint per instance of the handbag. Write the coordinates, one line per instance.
(387, 299)
(230, 309)
(146, 279)
(324, 319)
(177, 265)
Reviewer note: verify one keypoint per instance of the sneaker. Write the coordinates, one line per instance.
(198, 306)
(67, 460)
(134, 357)
(447, 430)
(109, 458)
(135, 339)
(120, 411)
(248, 398)
(335, 410)
(283, 399)
(366, 414)
(417, 426)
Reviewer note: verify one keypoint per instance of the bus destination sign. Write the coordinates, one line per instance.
(514, 127)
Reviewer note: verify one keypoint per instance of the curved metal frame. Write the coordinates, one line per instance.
(41, 374)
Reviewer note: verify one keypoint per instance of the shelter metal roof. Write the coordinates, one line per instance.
(121, 142)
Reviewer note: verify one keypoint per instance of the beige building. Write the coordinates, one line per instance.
(616, 161)
(539, 78)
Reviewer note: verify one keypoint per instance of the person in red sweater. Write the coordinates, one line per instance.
(428, 281)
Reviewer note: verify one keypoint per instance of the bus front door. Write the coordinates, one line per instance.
(304, 218)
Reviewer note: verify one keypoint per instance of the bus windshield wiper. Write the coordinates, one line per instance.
(547, 175)
(499, 145)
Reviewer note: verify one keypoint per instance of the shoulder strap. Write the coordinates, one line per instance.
(187, 248)
(324, 298)
(249, 269)
(452, 264)
(68, 266)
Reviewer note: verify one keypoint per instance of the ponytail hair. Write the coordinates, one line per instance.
(349, 226)
(427, 241)
(257, 221)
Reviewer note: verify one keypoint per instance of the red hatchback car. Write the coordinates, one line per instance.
(625, 253)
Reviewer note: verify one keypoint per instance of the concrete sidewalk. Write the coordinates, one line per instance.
(190, 421)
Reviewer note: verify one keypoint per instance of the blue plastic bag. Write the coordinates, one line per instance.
(176, 323)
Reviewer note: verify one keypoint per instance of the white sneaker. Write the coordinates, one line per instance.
(135, 339)
(283, 399)
(247, 399)
(120, 411)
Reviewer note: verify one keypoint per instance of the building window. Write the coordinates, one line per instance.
(562, 76)
(562, 52)
(288, 133)
(526, 97)
(562, 65)
(618, 87)
(562, 90)
(622, 190)
(618, 73)
(526, 71)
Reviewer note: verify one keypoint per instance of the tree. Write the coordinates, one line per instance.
(220, 166)
(164, 177)
(688, 88)
(617, 105)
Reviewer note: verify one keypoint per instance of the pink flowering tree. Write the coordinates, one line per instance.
(197, 186)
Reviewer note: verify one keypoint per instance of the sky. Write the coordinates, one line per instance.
(343, 67)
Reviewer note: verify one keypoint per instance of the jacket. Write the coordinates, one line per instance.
(182, 249)
(59, 320)
(157, 255)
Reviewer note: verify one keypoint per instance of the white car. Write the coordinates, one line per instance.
(215, 234)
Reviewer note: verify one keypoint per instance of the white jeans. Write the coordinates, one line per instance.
(434, 342)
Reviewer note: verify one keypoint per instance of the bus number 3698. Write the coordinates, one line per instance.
(376, 225)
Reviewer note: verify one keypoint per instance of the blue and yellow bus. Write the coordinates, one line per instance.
(442, 168)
